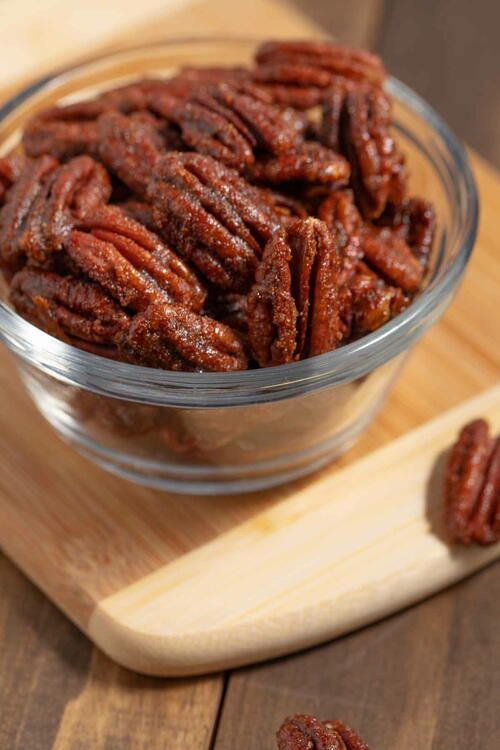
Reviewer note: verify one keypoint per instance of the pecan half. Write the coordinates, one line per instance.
(130, 262)
(70, 192)
(229, 122)
(309, 162)
(356, 121)
(392, 258)
(175, 338)
(333, 58)
(295, 306)
(272, 313)
(472, 486)
(212, 217)
(340, 214)
(11, 167)
(371, 302)
(303, 732)
(67, 307)
(18, 205)
(129, 146)
(64, 131)
(413, 220)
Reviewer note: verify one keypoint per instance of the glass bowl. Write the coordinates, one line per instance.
(220, 433)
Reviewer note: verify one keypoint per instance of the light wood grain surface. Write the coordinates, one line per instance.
(406, 682)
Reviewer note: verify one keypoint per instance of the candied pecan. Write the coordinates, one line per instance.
(326, 56)
(371, 302)
(211, 216)
(340, 214)
(295, 307)
(229, 121)
(272, 313)
(16, 210)
(392, 258)
(360, 126)
(299, 97)
(308, 162)
(472, 486)
(130, 147)
(421, 229)
(303, 732)
(70, 192)
(175, 338)
(130, 262)
(316, 286)
(67, 307)
(64, 131)
(11, 167)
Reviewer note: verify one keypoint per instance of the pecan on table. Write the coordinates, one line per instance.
(295, 306)
(68, 194)
(308, 162)
(17, 207)
(472, 486)
(71, 309)
(304, 732)
(175, 338)
(129, 146)
(229, 121)
(212, 217)
(130, 262)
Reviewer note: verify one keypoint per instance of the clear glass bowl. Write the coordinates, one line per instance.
(235, 432)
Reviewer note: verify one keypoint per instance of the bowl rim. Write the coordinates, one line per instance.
(164, 387)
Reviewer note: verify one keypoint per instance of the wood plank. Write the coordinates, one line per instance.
(425, 678)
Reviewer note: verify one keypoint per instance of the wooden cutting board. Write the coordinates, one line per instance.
(175, 585)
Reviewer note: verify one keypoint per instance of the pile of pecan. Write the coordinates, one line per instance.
(304, 732)
(472, 486)
(220, 219)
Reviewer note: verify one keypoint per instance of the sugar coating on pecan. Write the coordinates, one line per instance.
(305, 732)
(308, 162)
(64, 131)
(371, 302)
(229, 121)
(67, 307)
(130, 262)
(317, 287)
(17, 208)
(272, 313)
(70, 192)
(174, 337)
(335, 59)
(212, 216)
(129, 146)
(11, 167)
(472, 486)
(392, 258)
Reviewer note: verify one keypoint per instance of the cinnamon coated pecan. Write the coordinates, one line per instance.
(66, 307)
(18, 205)
(357, 122)
(392, 258)
(211, 216)
(175, 338)
(11, 167)
(295, 307)
(308, 162)
(64, 131)
(324, 56)
(370, 301)
(303, 732)
(472, 486)
(69, 193)
(131, 263)
(413, 220)
(130, 147)
(229, 121)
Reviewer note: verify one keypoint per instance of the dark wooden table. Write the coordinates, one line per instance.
(426, 678)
